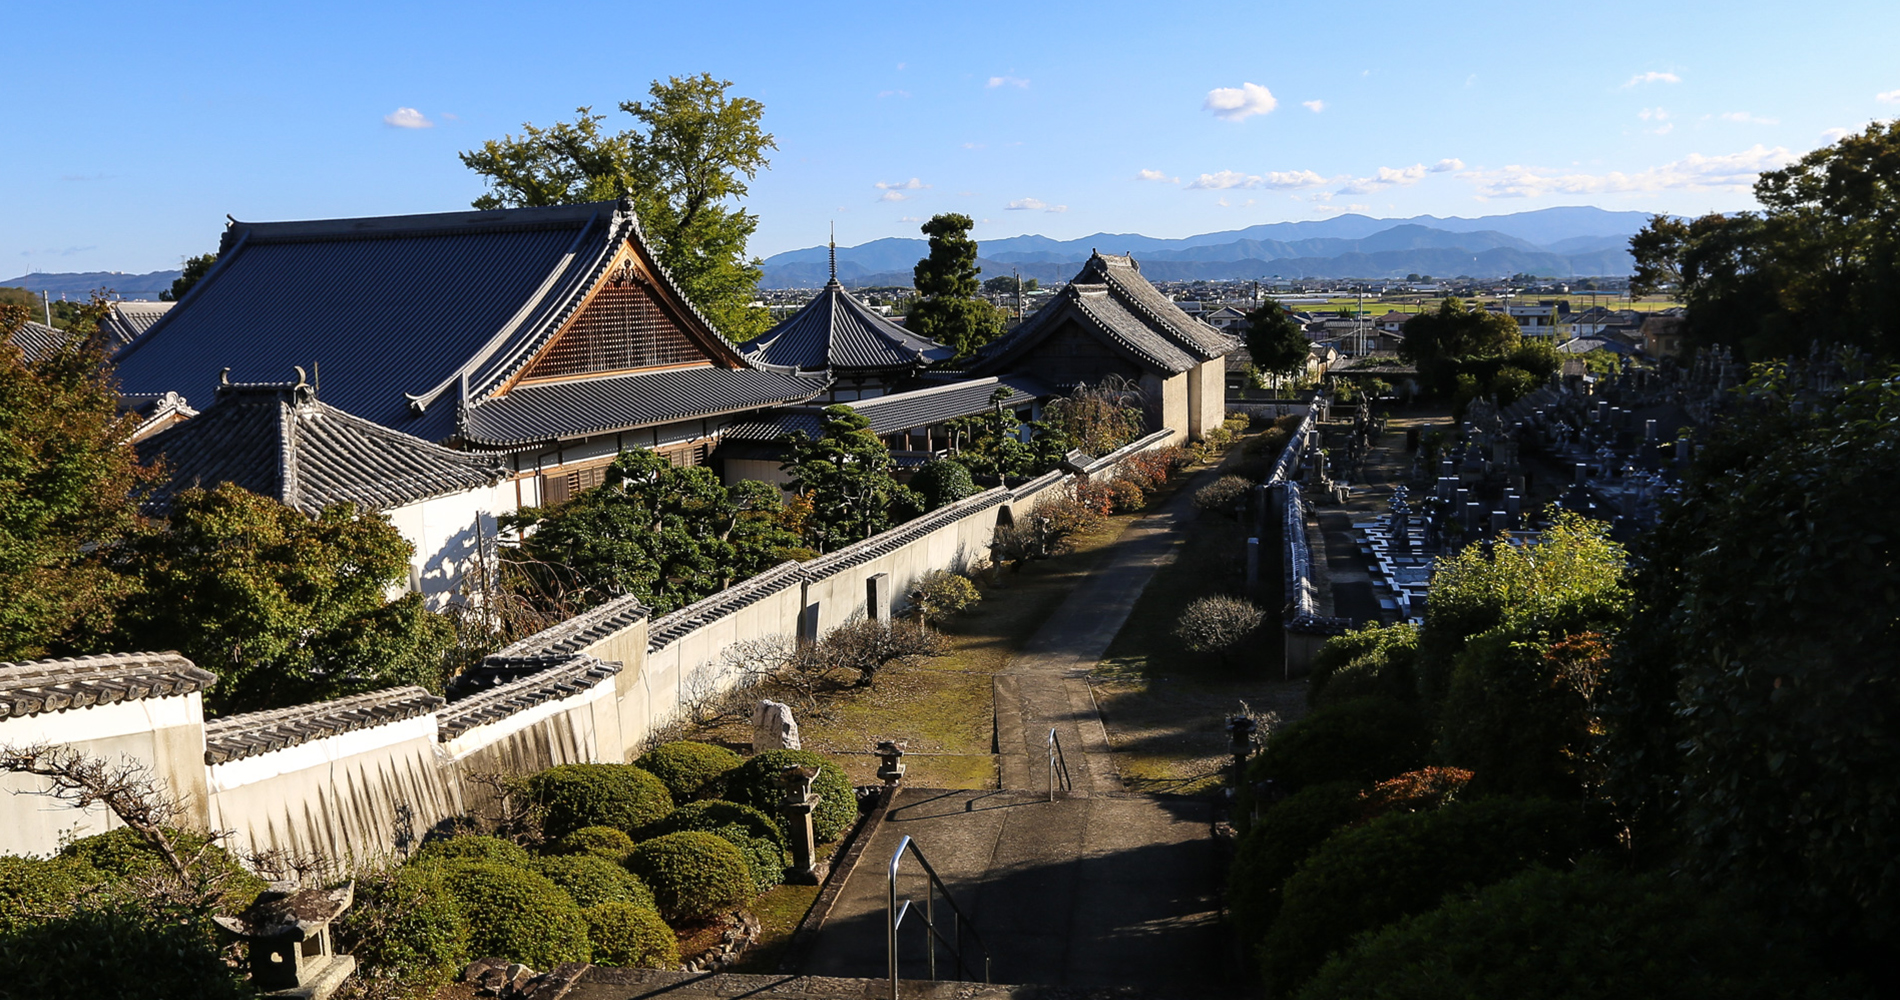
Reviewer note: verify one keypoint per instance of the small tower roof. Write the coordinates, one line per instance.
(838, 334)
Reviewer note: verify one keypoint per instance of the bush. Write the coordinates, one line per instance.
(1150, 469)
(120, 952)
(1404, 864)
(618, 795)
(868, 645)
(405, 927)
(1376, 660)
(603, 841)
(122, 854)
(1217, 624)
(693, 874)
(1273, 847)
(1415, 791)
(627, 935)
(1222, 494)
(592, 879)
(764, 856)
(712, 815)
(515, 914)
(1095, 494)
(942, 483)
(1520, 713)
(1593, 932)
(1358, 741)
(757, 785)
(690, 770)
(37, 889)
(942, 595)
(1125, 497)
(472, 846)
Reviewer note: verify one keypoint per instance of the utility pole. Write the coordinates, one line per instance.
(1018, 272)
(47, 298)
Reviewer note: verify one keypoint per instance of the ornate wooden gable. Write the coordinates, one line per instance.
(629, 322)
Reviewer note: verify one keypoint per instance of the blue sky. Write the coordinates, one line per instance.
(133, 129)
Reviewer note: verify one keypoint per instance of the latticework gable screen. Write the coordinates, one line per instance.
(622, 328)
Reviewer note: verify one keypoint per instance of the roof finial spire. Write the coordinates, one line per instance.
(834, 251)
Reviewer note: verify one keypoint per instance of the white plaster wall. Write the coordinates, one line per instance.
(763, 470)
(1207, 398)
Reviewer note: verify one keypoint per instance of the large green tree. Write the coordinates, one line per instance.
(68, 480)
(846, 473)
(1276, 341)
(685, 165)
(195, 269)
(950, 313)
(284, 608)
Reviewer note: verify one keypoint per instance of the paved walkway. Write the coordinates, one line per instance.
(1047, 687)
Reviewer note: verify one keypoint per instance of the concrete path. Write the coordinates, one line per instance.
(1046, 686)
(1086, 891)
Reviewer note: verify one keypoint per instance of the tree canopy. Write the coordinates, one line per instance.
(1275, 340)
(950, 313)
(684, 165)
(195, 268)
(846, 475)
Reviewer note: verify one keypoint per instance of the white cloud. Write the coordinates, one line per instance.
(1007, 81)
(1747, 119)
(973, 145)
(1890, 97)
(1446, 165)
(1664, 129)
(1696, 172)
(1027, 205)
(1652, 77)
(893, 196)
(893, 93)
(1238, 103)
(1653, 115)
(407, 118)
(1057, 208)
(910, 185)
(1277, 180)
(910, 218)
(1156, 175)
(1385, 177)
(1834, 134)
(1314, 106)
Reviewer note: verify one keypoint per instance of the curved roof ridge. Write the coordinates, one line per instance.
(835, 331)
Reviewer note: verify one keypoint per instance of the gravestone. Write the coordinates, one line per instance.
(773, 727)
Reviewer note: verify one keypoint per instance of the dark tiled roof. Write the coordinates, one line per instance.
(37, 686)
(37, 340)
(235, 737)
(900, 411)
(549, 411)
(837, 333)
(578, 632)
(568, 676)
(398, 313)
(129, 320)
(1111, 299)
(280, 441)
(672, 626)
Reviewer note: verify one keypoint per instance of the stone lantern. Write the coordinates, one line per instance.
(799, 802)
(890, 768)
(1240, 730)
(291, 951)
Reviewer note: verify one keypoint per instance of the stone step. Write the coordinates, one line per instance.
(600, 983)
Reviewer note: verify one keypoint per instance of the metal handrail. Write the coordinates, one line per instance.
(1058, 767)
(933, 935)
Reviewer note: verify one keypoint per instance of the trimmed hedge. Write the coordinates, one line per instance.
(593, 880)
(515, 914)
(122, 854)
(756, 784)
(474, 847)
(693, 874)
(605, 841)
(690, 770)
(119, 952)
(1592, 933)
(1361, 741)
(1268, 854)
(33, 890)
(622, 796)
(713, 814)
(628, 935)
(764, 858)
(1399, 865)
(405, 926)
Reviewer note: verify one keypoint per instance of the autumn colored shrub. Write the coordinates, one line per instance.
(1125, 497)
(1096, 495)
(1361, 741)
(942, 595)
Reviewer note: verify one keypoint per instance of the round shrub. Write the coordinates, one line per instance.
(1372, 661)
(1360, 741)
(942, 595)
(472, 847)
(120, 952)
(1217, 624)
(1274, 846)
(943, 482)
(405, 926)
(764, 858)
(605, 841)
(36, 889)
(693, 874)
(628, 935)
(1399, 865)
(618, 795)
(1594, 932)
(123, 854)
(757, 784)
(1125, 497)
(690, 770)
(515, 914)
(592, 879)
(1222, 494)
(714, 814)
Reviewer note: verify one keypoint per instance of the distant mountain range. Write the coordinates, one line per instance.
(79, 284)
(1559, 242)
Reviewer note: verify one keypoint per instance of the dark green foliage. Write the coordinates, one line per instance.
(622, 796)
(195, 268)
(950, 313)
(846, 473)
(1359, 741)
(991, 443)
(693, 874)
(404, 927)
(604, 841)
(764, 856)
(1589, 934)
(1519, 713)
(592, 879)
(1276, 341)
(713, 814)
(1376, 660)
(757, 785)
(473, 846)
(1275, 845)
(690, 770)
(35, 889)
(624, 934)
(514, 913)
(120, 952)
(1456, 341)
(1403, 864)
(122, 854)
(669, 535)
(943, 482)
